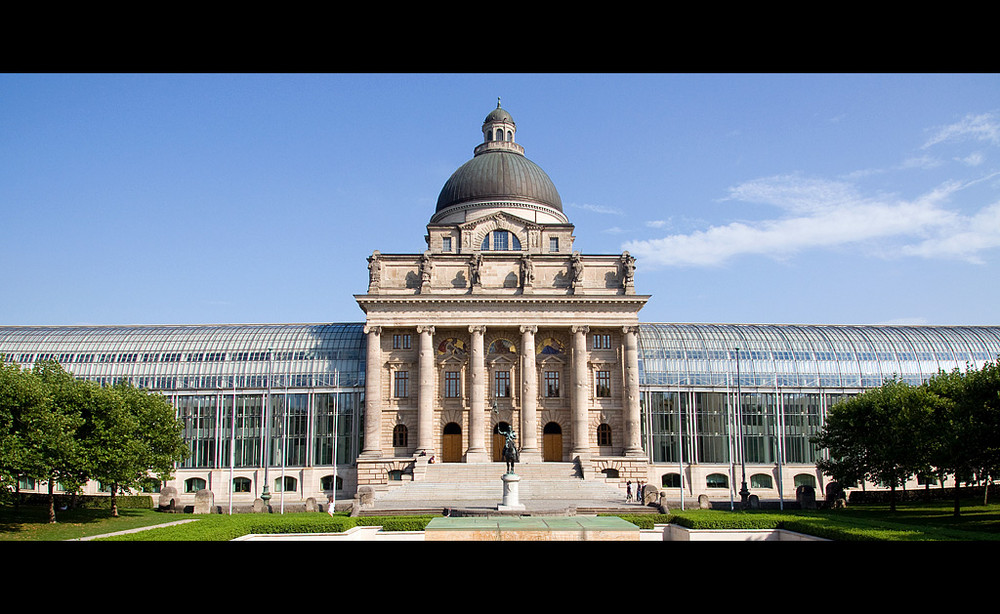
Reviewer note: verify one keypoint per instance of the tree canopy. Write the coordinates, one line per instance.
(947, 425)
(57, 429)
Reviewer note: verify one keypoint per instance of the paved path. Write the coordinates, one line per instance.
(155, 526)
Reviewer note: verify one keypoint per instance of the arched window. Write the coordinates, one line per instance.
(289, 484)
(761, 480)
(510, 136)
(499, 134)
(604, 435)
(805, 479)
(241, 484)
(194, 484)
(399, 436)
(396, 475)
(717, 480)
(500, 241)
(327, 482)
(610, 472)
(671, 480)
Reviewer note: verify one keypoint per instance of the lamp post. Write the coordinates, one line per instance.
(744, 491)
(266, 494)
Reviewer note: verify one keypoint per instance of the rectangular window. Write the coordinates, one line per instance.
(401, 342)
(552, 384)
(401, 380)
(602, 342)
(452, 390)
(553, 244)
(500, 240)
(446, 244)
(603, 379)
(501, 384)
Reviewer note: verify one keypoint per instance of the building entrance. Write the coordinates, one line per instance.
(552, 443)
(452, 443)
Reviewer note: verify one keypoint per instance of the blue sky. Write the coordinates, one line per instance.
(247, 198)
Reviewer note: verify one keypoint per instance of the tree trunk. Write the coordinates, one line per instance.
(52, 500)
(958, 506)
(892, 498)
(114, 501)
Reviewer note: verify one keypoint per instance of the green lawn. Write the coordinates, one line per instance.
(31, 523)
(910, 522)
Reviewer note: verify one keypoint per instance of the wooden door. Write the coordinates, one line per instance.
(452, 443)
(552, 443)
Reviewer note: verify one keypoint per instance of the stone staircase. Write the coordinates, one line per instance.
(464, 485)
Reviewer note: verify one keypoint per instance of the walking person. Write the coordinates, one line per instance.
(628, 491)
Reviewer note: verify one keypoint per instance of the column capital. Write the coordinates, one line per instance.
(631, 329)
(477, 328)
(579, 329)
(423, 328)
(529, 329)
(374, 330)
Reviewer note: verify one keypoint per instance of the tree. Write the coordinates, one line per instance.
(967, 427)
(132, 435)
(52, 448)
(881, 435)
(58, 429)
(22, 397)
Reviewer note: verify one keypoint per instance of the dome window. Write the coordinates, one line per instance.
(500, 241)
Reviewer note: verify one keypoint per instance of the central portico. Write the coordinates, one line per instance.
(500, 322)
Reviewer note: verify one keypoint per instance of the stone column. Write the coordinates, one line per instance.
(477, 397)
(373, 394)
(581, 392)
(425, 390)
(529, 397)
(633, 426)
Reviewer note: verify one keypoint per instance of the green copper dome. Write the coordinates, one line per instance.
(499, 172)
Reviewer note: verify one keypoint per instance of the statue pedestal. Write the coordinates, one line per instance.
(510, 494)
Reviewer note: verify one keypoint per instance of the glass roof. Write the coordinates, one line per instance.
(809, 356)
(670, 354)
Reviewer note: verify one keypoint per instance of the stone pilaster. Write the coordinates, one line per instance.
(373, 394)
(529, 397)
(425, 389)
(581, 393)
(477, 398)
(633, 430)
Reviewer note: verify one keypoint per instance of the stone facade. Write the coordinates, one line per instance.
(501, 323)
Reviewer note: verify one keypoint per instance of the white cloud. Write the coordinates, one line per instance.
(983, 127)
(656, 223)
(827, 214)
(599, 209)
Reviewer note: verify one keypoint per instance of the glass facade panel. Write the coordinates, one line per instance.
(712, 422)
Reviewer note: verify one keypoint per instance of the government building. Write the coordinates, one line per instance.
(500, 324)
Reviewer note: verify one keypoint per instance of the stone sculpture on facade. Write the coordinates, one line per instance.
(426, 268)
(628, 270)
(527, 271)
(374, 271)
(475, 269)
(576, 267)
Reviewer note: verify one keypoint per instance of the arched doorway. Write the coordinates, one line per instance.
(552, 444)
(452, 443)
(499, 441)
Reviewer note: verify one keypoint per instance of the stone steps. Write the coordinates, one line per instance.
(450, 484)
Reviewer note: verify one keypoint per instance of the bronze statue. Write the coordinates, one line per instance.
(510, 452)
